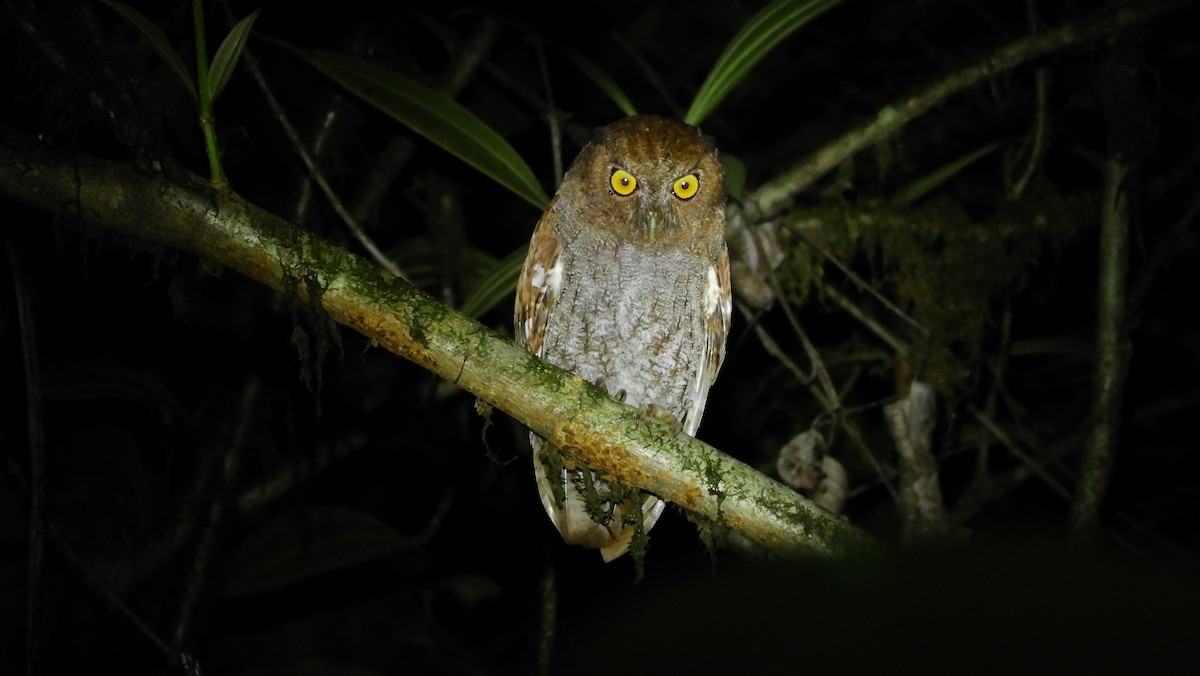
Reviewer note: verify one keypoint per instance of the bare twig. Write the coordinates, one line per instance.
(652, 75)
(998, 365)
(1179, 239)
(1037, 137)
(1112, 351)
(899, 346)
(396, 153)
(1017, 452)
(863, 285)
(832, 398)
(1036, 141)
(37, 458)
(207, 549)
(100, 591)
(314, 172)
(551, 115)
(294, 472)
(774, 196)
(545, 646)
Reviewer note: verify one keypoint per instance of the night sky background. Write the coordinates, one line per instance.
(376, 523)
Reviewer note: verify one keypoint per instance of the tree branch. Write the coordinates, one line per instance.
(775, 195)
(1112, 352)
(571, 414)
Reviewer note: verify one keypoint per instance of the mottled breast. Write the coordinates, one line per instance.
(627, 326)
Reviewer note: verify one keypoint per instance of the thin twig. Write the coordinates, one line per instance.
(773, 349)
(774, 196)
(899, 346)
(832, 399)
(862, 284)
(315, 174)
(1112, 352)
(37, 458)
(1037, 139)
(221, 500)
(545, 644)
(843, 423)
(1179, 240)
(1017, 452)
(652, 75)
(100, 591)
(293, 473)
(397, 151)
(551, 115)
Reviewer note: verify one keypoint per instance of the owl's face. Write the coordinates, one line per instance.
(649, 180)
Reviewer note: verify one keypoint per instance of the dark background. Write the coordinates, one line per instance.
(408, 537)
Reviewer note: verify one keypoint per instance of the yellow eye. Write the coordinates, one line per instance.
(686, 186)
(622, 182)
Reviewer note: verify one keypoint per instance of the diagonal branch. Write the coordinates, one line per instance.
(775, 195)
(570, 413)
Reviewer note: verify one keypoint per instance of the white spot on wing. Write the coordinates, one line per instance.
(712, 293)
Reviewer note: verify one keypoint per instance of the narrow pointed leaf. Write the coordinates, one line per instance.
(497, 284)
(158, 42)
(735, 175)
(759, 36)
(228, 54)
(437, 118)
(927, 183)
(292, 548)
(605, 83)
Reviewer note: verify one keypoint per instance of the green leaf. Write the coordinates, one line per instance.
(735, 175)
(1065, 348)
(606, 83)
(421, 260)
(759, 36)
(927, 183)
(294, 547)
(157, 41)
(496, 285)
(228, 54)
(437, 118)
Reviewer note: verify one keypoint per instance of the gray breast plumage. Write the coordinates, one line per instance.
(634, 324)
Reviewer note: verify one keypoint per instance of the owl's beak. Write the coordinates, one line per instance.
(655, 217)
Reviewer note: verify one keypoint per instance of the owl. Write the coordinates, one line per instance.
(627, 285)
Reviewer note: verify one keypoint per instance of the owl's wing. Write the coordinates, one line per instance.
(537, 291)
(539, 285)
(718, 310)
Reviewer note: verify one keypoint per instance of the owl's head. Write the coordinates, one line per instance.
(651, 179)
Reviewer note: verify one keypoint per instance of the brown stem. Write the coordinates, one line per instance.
(1112, 352)
(37, 459)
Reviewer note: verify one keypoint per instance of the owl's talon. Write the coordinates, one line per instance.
(663, 416)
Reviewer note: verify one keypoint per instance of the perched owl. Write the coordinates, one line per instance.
(627, 285)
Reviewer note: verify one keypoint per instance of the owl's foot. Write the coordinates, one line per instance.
(662, 415)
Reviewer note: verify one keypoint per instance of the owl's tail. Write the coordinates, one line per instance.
(602, 527)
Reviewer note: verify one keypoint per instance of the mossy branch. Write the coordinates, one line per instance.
(573, 415)
(775, 195)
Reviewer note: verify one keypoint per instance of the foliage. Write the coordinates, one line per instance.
(377, 524)
(211, 78)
